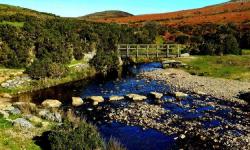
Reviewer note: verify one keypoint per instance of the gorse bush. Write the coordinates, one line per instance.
(70, 136)
(46, 68)
(104, 61)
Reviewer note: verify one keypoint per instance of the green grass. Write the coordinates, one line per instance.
(246, 52)
(16, 24)
(230, 67)
(12, 138)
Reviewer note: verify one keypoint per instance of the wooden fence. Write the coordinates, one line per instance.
(149, 50)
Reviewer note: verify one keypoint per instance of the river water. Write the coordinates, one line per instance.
(136, 137)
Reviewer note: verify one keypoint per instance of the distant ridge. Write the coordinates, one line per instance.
(9, 10)
(236, 11)
(106, 15)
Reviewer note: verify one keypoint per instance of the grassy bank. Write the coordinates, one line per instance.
(16, 138)
(230, 67)
(73, 75)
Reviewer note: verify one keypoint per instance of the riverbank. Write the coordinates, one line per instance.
(180, 80)
(76, 73)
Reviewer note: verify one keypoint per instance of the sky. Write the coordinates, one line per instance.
(75, 8)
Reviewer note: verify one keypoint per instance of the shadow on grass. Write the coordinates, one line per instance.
(43, 141)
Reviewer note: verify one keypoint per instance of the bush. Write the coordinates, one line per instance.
(46, 68)
(231, 45)
(69, 136)
(104, 62)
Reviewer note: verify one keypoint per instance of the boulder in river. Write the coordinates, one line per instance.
(136, 97)
(77, 101)
(50, 103)
(98, 99)
(180, 95)
(156, 95)
(116, 98)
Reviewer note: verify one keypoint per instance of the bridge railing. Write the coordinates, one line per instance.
(150, 50)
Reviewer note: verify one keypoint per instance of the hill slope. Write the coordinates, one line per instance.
(223, 13)
(106, 15)
(8, 10)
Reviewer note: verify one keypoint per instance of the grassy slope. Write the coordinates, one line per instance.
(230, 67)
(221, 13)
(106, 14)
(14, 138)
(8, 10)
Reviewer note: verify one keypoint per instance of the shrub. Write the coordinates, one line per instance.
(113, 144)
(104, 62)
(69, 136)
(231, 45)
(46, 68)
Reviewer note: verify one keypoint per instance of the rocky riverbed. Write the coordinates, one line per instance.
(180, 80)
(197, 122)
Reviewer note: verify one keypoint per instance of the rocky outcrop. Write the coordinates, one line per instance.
(77, 101)
(136, 97)
(21, 122)
(51, 116)
(50, 103)
(16, 82)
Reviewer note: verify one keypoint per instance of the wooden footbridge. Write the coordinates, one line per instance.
(150, 50)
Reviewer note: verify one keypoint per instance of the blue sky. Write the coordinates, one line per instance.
(73, 8)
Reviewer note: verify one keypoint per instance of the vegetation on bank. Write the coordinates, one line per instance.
(229, 66)
(15, 138)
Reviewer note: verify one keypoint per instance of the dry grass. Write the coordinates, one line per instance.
(114, 144)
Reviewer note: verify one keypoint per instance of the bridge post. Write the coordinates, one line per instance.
(127, 50)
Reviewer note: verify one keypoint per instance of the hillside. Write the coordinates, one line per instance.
(222, 13)
(106, 15)
(8, 10)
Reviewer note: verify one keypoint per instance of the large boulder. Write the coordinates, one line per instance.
(77, 101)
(46, 114)
(15, 111)
(156, 95)
(51, 103)
(98, 99)
(136, 97)
(180, 95)
(21, 122)
(116, 98)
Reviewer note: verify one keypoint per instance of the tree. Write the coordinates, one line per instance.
(182, 39)
(231, 45)
(245, 40)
